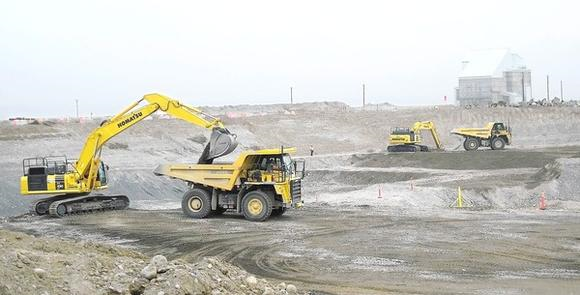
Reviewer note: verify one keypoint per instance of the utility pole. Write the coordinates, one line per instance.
(364, 96)
(548, 87)
(561, 91)
(531, 88)
(291, 97)
(523, 89)
(77, 104)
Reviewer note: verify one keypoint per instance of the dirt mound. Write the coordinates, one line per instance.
(49, 266)
(254, 110)
(478, 160)
(362, 177)
(550, 171)
(508, 179)
(565, 185)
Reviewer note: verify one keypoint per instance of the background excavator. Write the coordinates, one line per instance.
(404, 139)
(73, 181)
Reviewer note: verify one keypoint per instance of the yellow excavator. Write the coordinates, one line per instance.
(403, 139)
(73, 181)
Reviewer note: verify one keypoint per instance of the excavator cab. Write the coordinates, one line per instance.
(402, 134)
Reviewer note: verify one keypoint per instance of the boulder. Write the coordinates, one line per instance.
(149, 272)
(160, 263)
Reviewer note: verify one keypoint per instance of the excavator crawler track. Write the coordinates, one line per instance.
(87, 204)
(407, 148)
(40, 207)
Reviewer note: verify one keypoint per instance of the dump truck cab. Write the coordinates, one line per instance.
(257, 184)
(500, 130)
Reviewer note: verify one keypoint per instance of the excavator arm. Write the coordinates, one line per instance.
(221, 142)
(428, 125)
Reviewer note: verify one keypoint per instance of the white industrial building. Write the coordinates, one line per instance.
(493, 77)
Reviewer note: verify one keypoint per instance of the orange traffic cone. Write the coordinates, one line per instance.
(542, 202)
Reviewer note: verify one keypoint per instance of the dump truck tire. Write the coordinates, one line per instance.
(279, 211)
(497, 143)
(256, 206)
(471, 144)
(196, 203)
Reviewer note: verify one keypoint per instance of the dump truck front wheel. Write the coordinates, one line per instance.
(497, 143)
(256, 206)
(196, 203)
(471, 144)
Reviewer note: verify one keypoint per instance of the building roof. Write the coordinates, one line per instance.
(490, 62)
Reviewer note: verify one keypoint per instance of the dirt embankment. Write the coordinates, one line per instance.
(333, 129)
(512, 179)
(53, 266)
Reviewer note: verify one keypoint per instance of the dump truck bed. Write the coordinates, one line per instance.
(219, 175)
(222, 176)
(476, 132)
(484, 132)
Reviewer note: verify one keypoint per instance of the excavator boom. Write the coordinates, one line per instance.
(429, 125)
(221, 141)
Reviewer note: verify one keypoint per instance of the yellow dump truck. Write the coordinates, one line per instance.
(495, 135)
(257, 184)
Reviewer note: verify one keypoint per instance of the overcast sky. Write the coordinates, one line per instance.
(107, 54)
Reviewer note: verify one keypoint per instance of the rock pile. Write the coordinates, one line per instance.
(51, 266)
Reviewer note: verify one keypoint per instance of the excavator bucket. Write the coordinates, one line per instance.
(221, 143)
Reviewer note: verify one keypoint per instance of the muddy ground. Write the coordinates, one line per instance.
(362, 249)
(379, 223)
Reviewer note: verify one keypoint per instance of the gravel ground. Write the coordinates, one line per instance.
(57, 266)
(327, 249)
(373, 222)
